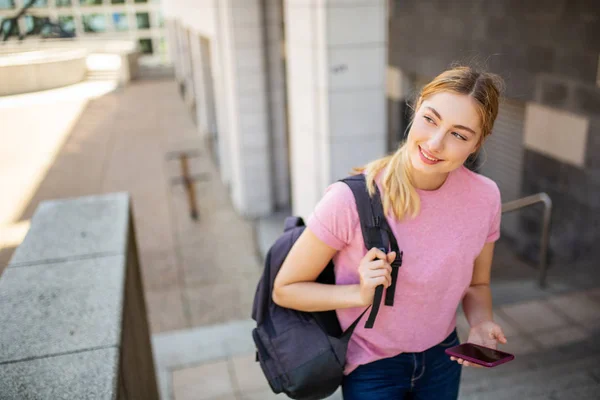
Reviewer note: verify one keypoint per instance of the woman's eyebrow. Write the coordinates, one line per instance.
(437, 114)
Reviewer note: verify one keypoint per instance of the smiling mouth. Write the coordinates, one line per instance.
(432, 159)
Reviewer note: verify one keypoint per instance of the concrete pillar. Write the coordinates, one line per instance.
(277, 108)
(198, 67)
(243, 127)
(336, 61)
(173, 37)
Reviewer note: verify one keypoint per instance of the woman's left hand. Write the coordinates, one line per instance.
(486, 334)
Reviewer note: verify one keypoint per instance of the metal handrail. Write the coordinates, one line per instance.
(528, 201)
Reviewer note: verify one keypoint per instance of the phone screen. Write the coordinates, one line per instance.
(480, 353)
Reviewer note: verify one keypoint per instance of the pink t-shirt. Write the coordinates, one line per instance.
(440, 246)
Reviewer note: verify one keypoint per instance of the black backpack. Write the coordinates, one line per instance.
(303, 354)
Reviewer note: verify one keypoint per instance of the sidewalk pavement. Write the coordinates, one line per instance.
(200, 276)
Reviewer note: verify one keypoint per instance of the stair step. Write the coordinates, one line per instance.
(536, 361)
(578, 393)
(542, 380)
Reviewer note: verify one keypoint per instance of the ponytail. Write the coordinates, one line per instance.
(399, 195)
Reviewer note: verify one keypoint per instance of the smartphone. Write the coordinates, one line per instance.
(479, 354)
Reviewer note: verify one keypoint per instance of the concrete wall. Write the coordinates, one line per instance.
(25, 72)
(573, 183)
(548, 56)
(73, 314)
(517, 39)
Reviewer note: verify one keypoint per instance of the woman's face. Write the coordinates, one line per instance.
(445, 131)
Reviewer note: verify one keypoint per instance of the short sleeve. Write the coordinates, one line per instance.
(495, 219)
(335, 217)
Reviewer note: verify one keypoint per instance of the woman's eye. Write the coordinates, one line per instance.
(428, 119)
(458, 135)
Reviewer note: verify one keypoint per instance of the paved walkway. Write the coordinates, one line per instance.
(200, 276)
(65, 143)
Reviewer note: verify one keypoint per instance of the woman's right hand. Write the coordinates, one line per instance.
(374, 269)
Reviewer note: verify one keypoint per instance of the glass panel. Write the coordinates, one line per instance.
(63, 3)
(7, 4)
(117, 1)
(90, 2)
(146, 46)
(141, 1)
(40, 4)
(28, 23)
(120, 21)
(67, 22)
(143, 20)
(94, 23)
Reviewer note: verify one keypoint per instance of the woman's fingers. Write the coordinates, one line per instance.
(499, 335)
(391, 256)
(379, 280)
(376, 264)
(465, 363)
(381, 276)
(375, 253)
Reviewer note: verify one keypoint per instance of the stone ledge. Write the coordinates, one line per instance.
(57, 315)
(63, 229)
(56, 308)
(86, 375)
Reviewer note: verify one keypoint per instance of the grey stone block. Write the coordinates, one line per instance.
(63, 307)
(86, 375)
(553, 93)
(587, 99)
(85, 226)
(580, 64)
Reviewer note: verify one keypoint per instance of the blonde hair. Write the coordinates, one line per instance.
(399, 194)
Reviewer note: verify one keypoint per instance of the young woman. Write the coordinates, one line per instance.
(445, 219)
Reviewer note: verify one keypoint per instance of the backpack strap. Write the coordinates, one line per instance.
(376, 233)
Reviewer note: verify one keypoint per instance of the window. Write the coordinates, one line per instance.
(94, 23)
(141, 1)
(6, 27)
(7, 4)
(117, 1)
(63, 3)
(146, 46)
(90, 2)
(120, 21)
(40, 4)
(67, 22)
(143, 20)
(28, 23)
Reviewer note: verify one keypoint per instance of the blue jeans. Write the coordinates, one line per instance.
(428, 375)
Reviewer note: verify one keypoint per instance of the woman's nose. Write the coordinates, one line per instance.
(436, 141)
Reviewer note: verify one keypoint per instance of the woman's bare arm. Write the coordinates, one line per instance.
(295, 285)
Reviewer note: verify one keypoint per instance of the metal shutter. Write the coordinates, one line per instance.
(502, 157)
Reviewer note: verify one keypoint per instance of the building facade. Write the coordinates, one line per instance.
(138, 20)
(294, 93)
(290, 92)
